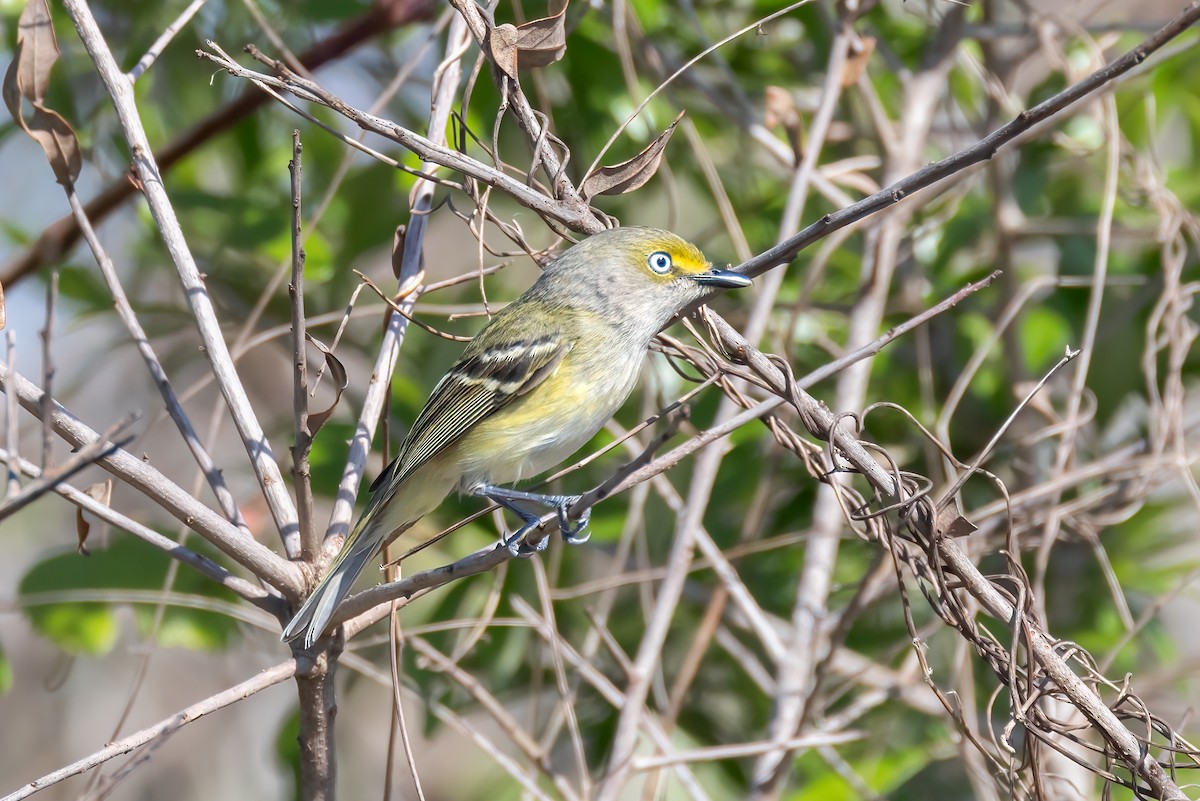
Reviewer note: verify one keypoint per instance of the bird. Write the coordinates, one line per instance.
(536, 384)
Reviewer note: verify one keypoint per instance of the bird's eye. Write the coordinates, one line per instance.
(660, 262)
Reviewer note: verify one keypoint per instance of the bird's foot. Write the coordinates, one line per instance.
(519, 548)
(573, 532)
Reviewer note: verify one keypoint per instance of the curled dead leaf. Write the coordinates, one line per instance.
(28, 79)
(537, 43)
(398, 249)
(780, 110)
(101, 492)
(856, 61)
(338, 371)
(632, 174)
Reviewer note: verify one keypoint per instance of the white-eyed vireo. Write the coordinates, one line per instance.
(535, 385)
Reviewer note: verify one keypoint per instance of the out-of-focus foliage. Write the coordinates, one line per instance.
(232, 198)
(90, 627)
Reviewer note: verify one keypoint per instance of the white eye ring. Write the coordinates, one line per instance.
(660, 262)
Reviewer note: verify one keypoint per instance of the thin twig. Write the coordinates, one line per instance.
(310, 542)
(12, 484)
(105, 444)
(164, 39)
(164, 728)
(47, 334)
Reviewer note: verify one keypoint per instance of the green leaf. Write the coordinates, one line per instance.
(287, 749)
(90, 627)
(1044, 337)
(6, 673)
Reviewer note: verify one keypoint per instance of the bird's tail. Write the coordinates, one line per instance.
(314, 615)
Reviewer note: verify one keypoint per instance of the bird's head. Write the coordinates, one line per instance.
(640, 273)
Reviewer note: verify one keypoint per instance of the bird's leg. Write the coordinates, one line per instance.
(572, 533)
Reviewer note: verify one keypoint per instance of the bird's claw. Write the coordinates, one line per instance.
(520, 549)
(573, 532)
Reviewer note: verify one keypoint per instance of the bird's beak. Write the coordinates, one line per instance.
(722, 279)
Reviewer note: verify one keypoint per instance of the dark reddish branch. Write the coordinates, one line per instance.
(58, 238)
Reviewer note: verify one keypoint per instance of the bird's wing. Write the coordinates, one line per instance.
(481, 383)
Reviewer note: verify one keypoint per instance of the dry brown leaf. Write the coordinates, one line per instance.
(336, 369)
(37, 51)
(101, 492)
(537, 43)
(632, 174)
(28, 78)
(398, 249)
(780, 109)
(57, 139)
(856, 61)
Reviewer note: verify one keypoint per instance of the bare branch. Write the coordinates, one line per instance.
(309, 541)
(257, 447)
(139, 474)
(170, 400)
(47, 335)
(164, 39)
(164, 728)
(202, 564)
(93, 451)
(12, 483)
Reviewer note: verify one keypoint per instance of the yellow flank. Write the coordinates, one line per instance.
(417, 496)
(545, 426)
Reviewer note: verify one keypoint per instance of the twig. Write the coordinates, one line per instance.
(164, 39)
(47, 334)
(399, 719)
(93, 451)
(283, 511)
(949, 494)
(251, 592)
(310, 542)
(164, 728)
(741, 751)
(407, 313)
(12, 484)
